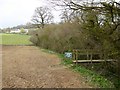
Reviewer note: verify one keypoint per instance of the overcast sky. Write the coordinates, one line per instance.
(16, 12)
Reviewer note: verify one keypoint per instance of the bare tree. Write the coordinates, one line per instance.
(66, 16)
(70, 16)
(42, 16)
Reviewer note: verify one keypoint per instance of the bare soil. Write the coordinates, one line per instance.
(0, 67)
(29, 67)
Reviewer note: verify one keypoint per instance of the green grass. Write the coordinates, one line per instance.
(14, 39)
(91, 76)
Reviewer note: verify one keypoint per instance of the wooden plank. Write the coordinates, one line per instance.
(83, 61)
(86, 50)
(85, 53)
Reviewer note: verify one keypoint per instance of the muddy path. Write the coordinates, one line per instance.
(29, 67)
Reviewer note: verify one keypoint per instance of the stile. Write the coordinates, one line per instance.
(89, 54)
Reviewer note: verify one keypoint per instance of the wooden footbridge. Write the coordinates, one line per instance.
(89, 56)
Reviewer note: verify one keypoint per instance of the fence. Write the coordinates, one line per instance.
(88, 56)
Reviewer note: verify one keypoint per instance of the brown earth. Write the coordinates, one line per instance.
(0, 67)
(29, 67)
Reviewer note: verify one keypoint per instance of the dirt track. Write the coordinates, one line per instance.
(0, 67)
(29, 67)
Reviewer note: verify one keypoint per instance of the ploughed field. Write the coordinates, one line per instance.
(30, 67)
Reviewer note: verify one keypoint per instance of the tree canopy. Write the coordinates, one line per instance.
(42, 16)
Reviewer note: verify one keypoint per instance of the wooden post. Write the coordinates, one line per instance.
(76, 57)
(87, 56)
(101, 56)
(91, 57)
(73, 54)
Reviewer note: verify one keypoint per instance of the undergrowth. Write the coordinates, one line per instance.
(92, 77)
